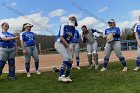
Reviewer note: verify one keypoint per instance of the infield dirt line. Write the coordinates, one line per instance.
(51, 67)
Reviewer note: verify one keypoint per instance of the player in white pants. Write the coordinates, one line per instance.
(62, 45)
(137, 35)
(75, 48)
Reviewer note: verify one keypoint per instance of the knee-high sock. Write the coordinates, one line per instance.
(11, 63)
(36, 65)
(27, 66)
(77, 61)
(63, 67)
(122, 59)
(69, 65)
(138, 62)
(105, 62)
(2, 64)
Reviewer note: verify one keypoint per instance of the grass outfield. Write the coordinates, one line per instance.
(84, 81)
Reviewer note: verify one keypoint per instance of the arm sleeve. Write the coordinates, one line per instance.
(98, 31)
(135, 29)
(62, 29)
(1, 35)
(21, 36)
(93, 30)
(120, 31)
(116, 35)
(104, 34)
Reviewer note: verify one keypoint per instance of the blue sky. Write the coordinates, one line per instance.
(47, 15)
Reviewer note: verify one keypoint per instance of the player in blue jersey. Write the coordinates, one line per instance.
(27, 39)
(137, 35)
(113, 34)
(90, 38)
(62, 45)
(7, 50)
(75, 48)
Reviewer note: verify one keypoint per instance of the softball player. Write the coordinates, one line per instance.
(75, 48)
(7, 50)
(27, 39)
(137, 35)
(62, 45)
(113, 43)
(89, 38)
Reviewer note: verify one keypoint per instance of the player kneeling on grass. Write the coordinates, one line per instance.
(137, 35)
(89, 37)
(7, 50)
(113, 43)
(62, 45)
(27, 39)
(75, 48)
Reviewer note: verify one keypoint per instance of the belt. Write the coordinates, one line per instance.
(30, 46)
(74, 42)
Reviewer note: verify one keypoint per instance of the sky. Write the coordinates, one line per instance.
(48, 15)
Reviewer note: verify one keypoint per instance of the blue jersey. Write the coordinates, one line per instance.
(137, 29)
(67, 32)
(28, 38)
(5, 44)
(76, 37)
(113, 30)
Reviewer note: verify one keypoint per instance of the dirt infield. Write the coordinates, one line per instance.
(47, 62)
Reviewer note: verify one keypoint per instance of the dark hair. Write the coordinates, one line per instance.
(76, 24)
(23, 28)
(3, 24)
(84, 26)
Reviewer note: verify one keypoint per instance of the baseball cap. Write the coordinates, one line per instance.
(28, 25)
(111, 21)
(73, 18)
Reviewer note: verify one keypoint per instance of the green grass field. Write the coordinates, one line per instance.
(84, 81)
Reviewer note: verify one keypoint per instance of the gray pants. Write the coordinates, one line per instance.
(138, 52)
(7, 53)
(92, 52)
(31, 51)
(75, 49)
(116, 46)
(92, 48)
(63, 51)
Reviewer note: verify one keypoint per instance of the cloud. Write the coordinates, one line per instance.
(40, 22)
(135, 13)
(11, 5)
(35, 11)
(63, 19)
(57, 13)
(88, 21)
(103, 9)
(123, 24)
(92, 22)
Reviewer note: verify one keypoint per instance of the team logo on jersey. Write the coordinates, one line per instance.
(30, 36)
(138, 27)
(110, 31)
